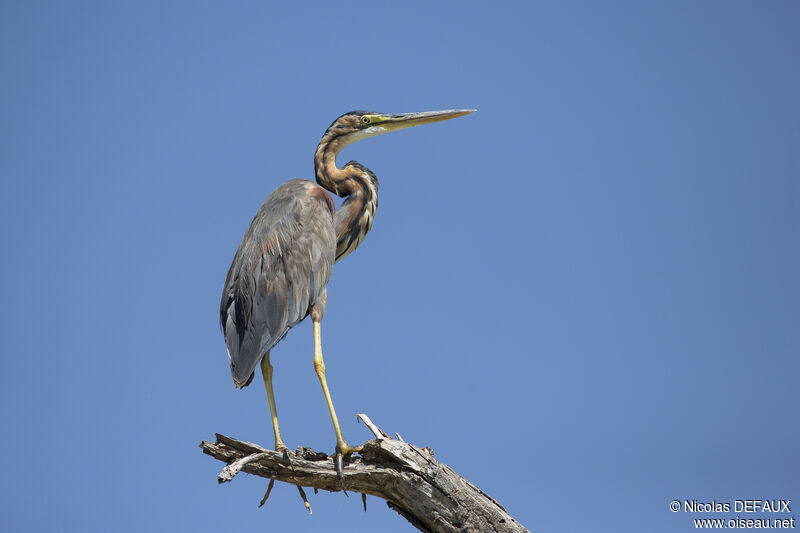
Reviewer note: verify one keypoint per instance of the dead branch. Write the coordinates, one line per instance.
(429, 494)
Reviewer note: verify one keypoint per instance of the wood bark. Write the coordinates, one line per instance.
(429, 494)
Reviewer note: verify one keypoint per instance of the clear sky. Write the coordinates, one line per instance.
(584, 297)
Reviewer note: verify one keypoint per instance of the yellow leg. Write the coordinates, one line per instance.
(319, 366)
(266, 371)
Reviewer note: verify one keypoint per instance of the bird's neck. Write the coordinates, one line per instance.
(357, 185)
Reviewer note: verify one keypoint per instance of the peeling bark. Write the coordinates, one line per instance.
(429, 494)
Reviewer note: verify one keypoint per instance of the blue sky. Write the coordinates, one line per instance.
(583, 297)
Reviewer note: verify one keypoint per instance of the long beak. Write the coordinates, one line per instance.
(407, 120)
(380, 124)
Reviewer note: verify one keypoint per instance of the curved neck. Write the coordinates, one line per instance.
(354, 182)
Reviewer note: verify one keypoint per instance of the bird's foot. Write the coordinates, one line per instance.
(343, 449)
(283, 450)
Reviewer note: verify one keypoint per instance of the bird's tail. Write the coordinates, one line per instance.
(242, 354)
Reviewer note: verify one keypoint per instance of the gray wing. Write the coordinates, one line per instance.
(280, 270)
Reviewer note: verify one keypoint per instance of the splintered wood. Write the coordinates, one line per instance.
(429, 494)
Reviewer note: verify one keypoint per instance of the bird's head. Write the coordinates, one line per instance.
(357, 125)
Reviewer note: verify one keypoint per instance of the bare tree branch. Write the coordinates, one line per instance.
(429, 494)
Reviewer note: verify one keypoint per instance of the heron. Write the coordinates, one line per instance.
(280, 272)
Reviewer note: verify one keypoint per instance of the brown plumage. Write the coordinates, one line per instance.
(285, 260)
(279, 272)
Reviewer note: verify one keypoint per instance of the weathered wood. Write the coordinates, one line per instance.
(429, 494)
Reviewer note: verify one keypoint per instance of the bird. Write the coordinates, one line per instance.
(280, 271)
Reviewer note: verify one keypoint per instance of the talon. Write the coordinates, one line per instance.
(343, 449)
(338, 466)
(284, 450)
(266, 494)
(305, 500)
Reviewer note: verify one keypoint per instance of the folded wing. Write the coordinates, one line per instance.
(280, 269)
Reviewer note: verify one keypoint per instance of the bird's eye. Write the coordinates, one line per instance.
(365, 120)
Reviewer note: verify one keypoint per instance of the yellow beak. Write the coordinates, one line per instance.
(407, 120)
